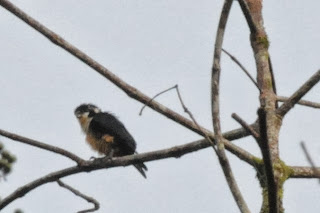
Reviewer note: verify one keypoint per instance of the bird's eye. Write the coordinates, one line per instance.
(78, 114)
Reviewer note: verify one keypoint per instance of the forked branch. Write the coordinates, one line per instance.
(83, 196)
(306, 87)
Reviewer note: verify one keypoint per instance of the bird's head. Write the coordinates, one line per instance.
(86, 111)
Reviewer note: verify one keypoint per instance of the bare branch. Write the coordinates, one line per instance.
(41, 145)
(267, 159)
(246, 126)
(128, 89)
(242, 67)
(154, 97)
(301, 102)
(309, 158)
(85, 197)
(224, 162)
(89, 166)
(186, 110)
(54, 176)
(304, 172)
(306, 87)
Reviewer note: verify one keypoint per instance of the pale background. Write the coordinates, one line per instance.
(152, 45)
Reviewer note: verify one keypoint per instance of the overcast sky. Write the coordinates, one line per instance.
(152, 45)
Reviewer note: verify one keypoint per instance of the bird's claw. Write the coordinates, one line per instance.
(92, 158)
(96, 160)
(108, 157)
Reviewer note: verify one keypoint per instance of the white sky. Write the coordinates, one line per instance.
(152, 45)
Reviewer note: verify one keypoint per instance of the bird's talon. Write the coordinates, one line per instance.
(108, 157)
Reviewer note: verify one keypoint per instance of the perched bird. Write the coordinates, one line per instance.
(106, 134)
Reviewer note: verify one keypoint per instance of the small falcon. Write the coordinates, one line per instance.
(106, 134)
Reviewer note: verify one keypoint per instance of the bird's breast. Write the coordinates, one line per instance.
(84, 123)
(99, 144)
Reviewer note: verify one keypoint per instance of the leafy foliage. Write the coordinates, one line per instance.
(6, 161)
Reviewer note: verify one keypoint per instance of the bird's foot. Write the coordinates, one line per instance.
(97, 160)
(109, 156)
(92, 158)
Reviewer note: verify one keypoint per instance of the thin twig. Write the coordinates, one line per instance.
(186, 110)
(273, 79)
(301, 102)
(309, 158)
(242, 67)
(246, 126)
(85, 197)
(88, 166)
(306, 87)
(41, 145)
(128, 89)
(154, 97)
(224, 162)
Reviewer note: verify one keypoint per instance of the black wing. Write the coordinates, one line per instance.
(105, 123)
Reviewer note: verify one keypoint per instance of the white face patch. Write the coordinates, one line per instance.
(85, 114)
(97, 110)
(84, 121)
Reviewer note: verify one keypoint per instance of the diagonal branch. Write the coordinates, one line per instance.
(301, 102)
(186, 110)
(246, 126)
(220, 150)
(128, 89)
(41, 145)
(241, 67)
(306, 87)
(154, 97)
(246, 11)
(23, 190)
(309, 158)
(279, 98)
(83, 196)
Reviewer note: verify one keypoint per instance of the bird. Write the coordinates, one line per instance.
(106, 134)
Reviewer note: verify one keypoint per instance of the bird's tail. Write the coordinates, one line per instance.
(141, 167)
